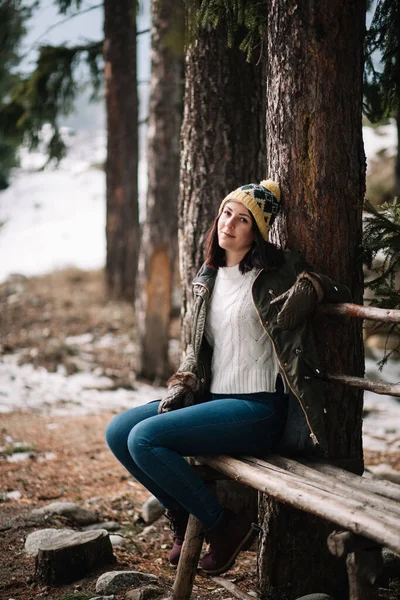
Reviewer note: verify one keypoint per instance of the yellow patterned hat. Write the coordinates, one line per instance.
(263, 201)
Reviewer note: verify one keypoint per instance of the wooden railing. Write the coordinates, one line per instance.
(384, 315)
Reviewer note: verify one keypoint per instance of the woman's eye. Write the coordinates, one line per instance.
(244, 220)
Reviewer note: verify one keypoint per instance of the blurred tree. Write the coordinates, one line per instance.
(122, 229)
(13, 17)
(382, 69)
(50, 90)
(158, 255)
(314, 74)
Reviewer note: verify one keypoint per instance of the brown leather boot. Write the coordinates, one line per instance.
(227, 538)
(178, 522)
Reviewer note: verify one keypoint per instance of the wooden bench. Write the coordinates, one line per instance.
(367, 512)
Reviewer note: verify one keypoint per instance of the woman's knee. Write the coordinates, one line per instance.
(120, 427)
(116, 434)
(140, 440)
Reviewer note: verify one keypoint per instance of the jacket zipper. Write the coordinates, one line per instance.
(313, 436)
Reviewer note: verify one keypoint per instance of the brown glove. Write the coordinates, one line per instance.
(181, 392)
(299, 301)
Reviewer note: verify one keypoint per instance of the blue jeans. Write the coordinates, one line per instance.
(152, 447)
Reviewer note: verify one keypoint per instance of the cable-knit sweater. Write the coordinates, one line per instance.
(243, 359)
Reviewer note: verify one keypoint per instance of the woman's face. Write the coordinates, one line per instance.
(235, 229)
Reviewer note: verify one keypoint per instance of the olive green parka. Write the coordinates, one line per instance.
(295, 349)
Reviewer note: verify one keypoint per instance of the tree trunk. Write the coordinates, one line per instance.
(315, 151)
(223, 146)
(223, 143)
(397, 166)
(158, 254)
(122, 228)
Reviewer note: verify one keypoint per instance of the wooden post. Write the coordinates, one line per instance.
(191, 549)
(363, 563)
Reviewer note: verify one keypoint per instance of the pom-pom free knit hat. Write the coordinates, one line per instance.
(263, 201)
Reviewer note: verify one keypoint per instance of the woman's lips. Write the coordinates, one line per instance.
(227, 234)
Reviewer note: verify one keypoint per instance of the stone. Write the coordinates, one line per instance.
(316, 597)
(149, 530)
(74, 512)
(113, 582)
(145, 593)
(152, 510)
(117, 540)
(35, 539)
(71, 559)
(107, 525)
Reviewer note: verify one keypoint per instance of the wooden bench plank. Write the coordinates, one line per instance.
(387, 489)
(357, 516)
(330, 483)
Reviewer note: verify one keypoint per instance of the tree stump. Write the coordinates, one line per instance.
(67, 560)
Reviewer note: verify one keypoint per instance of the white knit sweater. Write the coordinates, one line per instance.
(243, 359)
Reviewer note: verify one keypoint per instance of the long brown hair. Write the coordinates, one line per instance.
(262, 254)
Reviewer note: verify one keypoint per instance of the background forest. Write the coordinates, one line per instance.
(121, 127)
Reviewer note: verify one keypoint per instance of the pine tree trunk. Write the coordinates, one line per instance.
(223, 146)
(315, 151)
(122, 228)
(158, 254)
(223, 143)
(397, 166)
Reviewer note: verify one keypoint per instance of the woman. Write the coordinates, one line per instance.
(251, 354)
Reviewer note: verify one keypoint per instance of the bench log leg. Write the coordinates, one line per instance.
(363, 563)
(187, 566)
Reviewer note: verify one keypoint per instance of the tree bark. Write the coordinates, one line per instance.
(223, 143)
(122, 228)
(315, 151)
(397, 165)
(222, 147)
(158, 254)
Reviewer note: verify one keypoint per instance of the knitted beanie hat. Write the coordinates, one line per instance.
(263, 201)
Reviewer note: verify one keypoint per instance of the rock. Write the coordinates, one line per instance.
(152, 510)
(316, 597)
(145, 593)
(35, 539)
(107, 525)
(75, 513)
(384, 471)
(70, 559)
(115, 581)
(117, 540)
(149, 530)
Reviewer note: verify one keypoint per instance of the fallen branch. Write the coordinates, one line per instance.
(232, 588)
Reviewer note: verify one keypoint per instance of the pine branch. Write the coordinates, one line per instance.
(55, 25)
(381, 239)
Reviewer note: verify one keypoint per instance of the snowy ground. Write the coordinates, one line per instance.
(56, 218)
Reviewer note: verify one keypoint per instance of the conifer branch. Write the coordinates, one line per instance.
(55, 25)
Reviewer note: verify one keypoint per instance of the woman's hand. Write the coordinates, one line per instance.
(182, 388)
(299, 301)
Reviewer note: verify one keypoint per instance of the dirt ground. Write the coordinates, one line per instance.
(69, 459)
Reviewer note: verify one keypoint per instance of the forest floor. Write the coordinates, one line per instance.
(64, 454)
